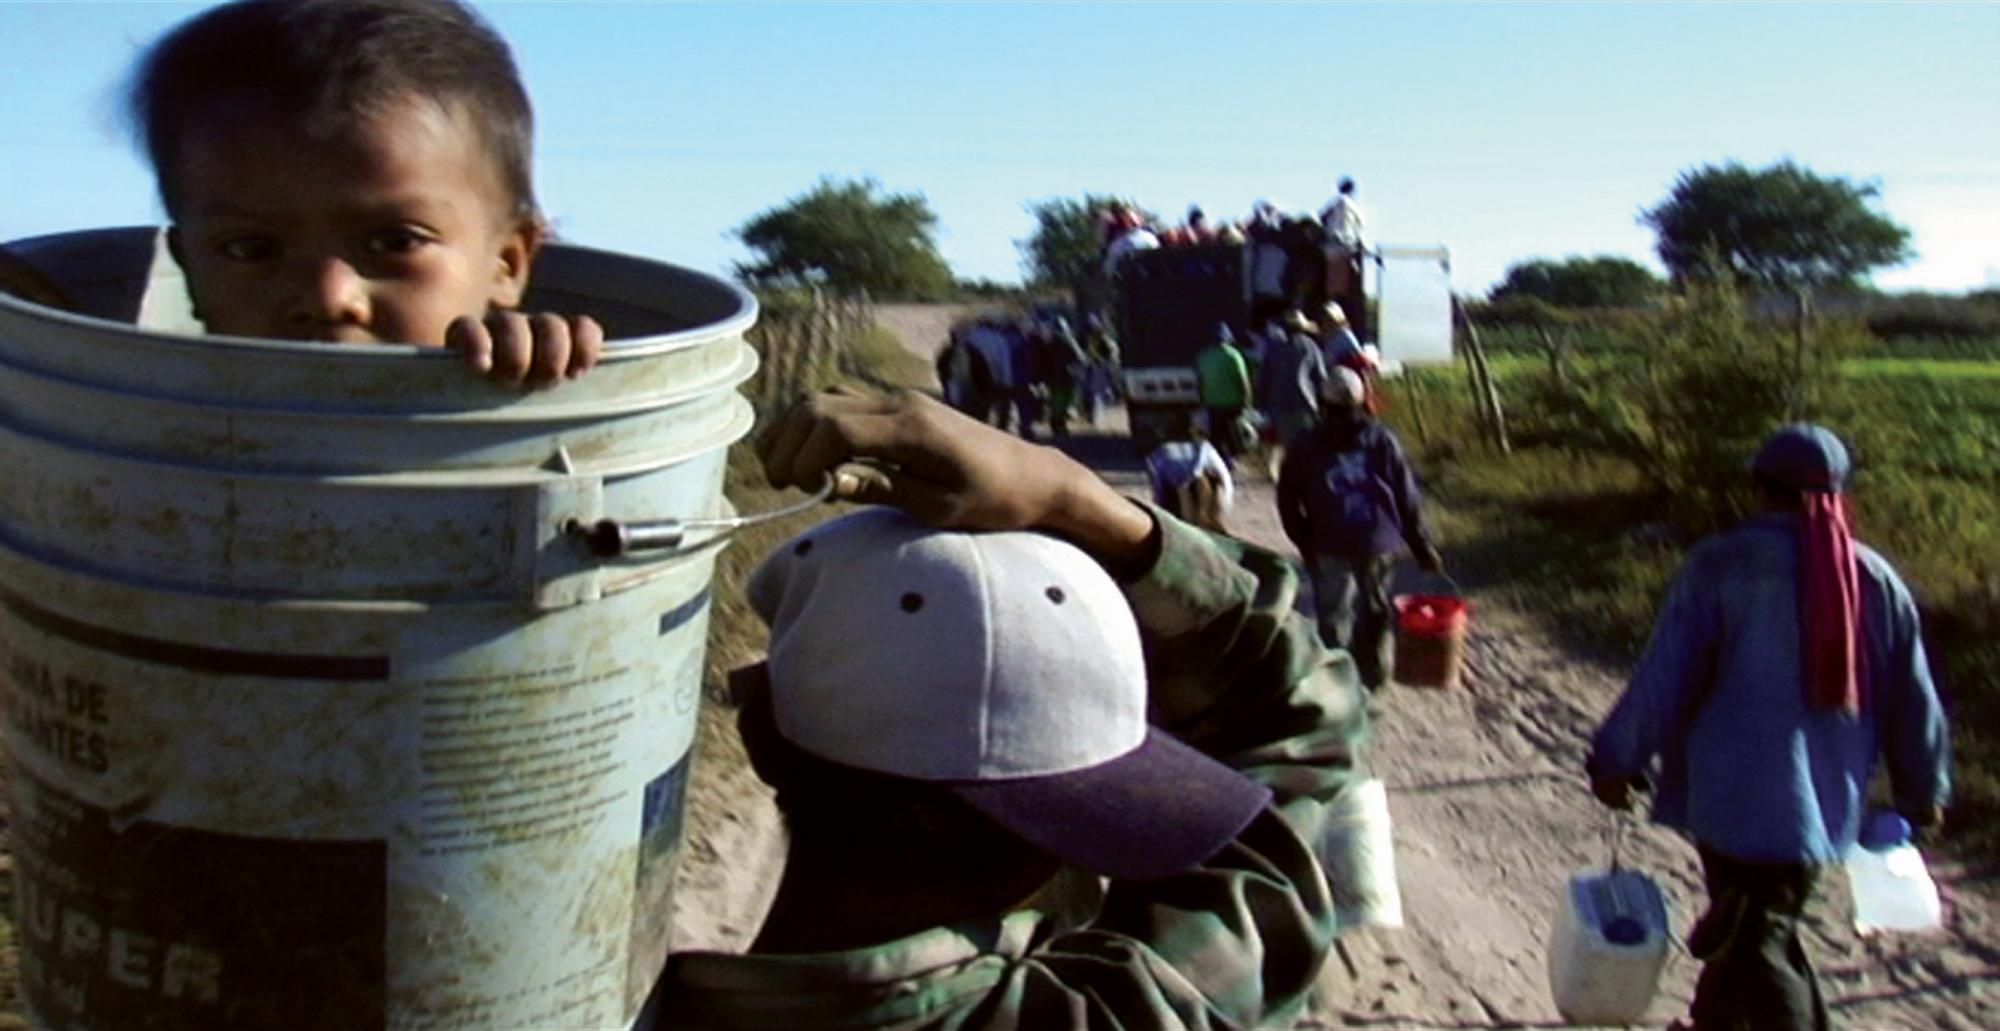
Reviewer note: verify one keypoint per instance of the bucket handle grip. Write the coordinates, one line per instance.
(1451, 584)
(612, 538)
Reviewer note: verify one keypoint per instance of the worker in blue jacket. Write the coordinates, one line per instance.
(1785, 660)
(1348, 499)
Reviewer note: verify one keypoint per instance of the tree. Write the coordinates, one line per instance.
(1064, 252)
(1605, 281)
(847, 237)
(1780, 226)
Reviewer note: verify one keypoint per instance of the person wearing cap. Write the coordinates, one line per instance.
(1340, 348)
(1289, 379)
(1222, 388)
(1349, 502)
(1785, 659)
(986, 831)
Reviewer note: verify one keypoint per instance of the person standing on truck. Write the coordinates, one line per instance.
(1268, 263)
(1341, 224)
(1222, 387)
(1129, 233)
(1305, 262)
(1198, 229)
(1786, 659)
(1349, 501)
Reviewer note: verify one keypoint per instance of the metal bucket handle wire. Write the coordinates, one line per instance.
(612, 538)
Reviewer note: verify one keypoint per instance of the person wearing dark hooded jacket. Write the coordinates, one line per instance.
(1350, 503)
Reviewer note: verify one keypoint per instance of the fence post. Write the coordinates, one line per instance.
(1486, 396)
(1802, 311)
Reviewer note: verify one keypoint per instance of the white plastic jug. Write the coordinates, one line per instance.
(1885, 874)
(1359, 855)
(1608, 946)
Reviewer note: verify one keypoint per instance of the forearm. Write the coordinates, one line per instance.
(1119, 533)
(1916, 735)
(1236, 672)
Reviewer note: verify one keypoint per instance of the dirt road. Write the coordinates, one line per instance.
(1491, 816)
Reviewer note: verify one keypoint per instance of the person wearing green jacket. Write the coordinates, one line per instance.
(1222, 387)
(1050, 758)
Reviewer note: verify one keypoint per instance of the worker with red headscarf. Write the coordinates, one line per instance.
(1785, 660)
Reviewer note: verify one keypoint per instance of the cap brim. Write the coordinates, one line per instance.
(1155, 811)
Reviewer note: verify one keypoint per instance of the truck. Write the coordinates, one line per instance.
(1166, 304)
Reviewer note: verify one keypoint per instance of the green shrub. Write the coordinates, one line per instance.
(1684, 398)
(1935, 317)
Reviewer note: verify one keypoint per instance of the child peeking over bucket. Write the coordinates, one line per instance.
(355, 171)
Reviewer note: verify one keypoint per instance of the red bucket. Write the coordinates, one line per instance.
(1430, 639)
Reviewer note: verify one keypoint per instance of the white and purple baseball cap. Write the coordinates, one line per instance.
(1005, 667)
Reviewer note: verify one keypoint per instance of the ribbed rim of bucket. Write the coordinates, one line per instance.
(622, 348)
(740, 370)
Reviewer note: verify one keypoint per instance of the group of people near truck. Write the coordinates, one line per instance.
(1297, 260)
(1267, 387)
(1019, 372)
(1049, 756)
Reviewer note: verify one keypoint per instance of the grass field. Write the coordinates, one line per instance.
(1579, 538)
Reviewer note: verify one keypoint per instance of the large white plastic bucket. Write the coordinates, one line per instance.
(321, 715)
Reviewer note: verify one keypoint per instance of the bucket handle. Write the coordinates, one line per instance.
(1456, 591)
(613, 538)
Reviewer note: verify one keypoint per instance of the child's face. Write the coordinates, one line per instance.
(381, 234)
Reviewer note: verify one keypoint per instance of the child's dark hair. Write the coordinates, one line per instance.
(325, 65)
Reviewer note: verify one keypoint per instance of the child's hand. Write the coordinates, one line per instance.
(513, 348)
(952, 471)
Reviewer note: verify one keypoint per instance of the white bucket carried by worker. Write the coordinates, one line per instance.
(330, 704)
(1608, 945)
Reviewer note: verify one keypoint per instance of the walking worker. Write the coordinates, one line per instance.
(1222, 388)
(1785, 659)
(1340, 347)
(954, 718)
(1349, 501)
(1289, 381)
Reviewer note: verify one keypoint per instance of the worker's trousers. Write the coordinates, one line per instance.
(1351, 596)
(1754, 975)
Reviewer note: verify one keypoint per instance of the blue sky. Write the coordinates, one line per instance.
(1505, 131)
